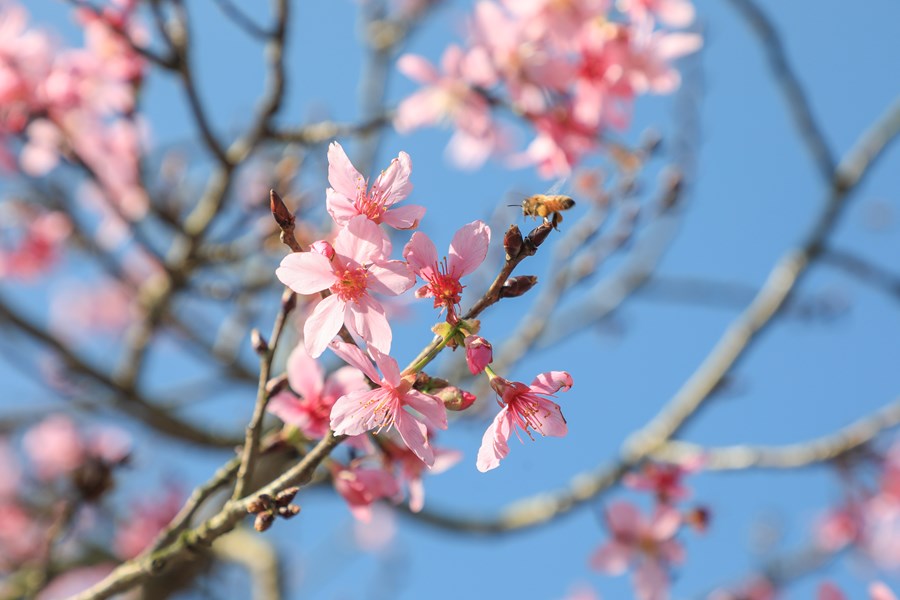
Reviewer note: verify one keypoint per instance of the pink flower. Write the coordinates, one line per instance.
(677, 13)
(558, 21)
(479, 353)
(356, 267)
(663, 479)
(758, 588)
(360, 487)
(55, 446)
(649, 543)
(412, 468)
(522, 407)
(561, 142)
(310, 412)
(347, 197)
(76, 580)
(467, 251)
(879, 591)
(39, 244)
(384, 407)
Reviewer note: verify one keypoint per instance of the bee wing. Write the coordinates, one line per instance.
(557, 186)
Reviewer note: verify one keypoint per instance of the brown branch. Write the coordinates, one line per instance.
(318, 133)
(241, 20)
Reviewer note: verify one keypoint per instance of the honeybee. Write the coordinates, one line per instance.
(547, 206)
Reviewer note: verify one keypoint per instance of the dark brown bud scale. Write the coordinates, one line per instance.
(280, 212)
(259, 343)
(516, 286)
(537, 235)
(263, 521)
(512, 242)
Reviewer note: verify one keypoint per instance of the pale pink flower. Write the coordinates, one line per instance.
(348, 195)
(75, 580)
(663, 479)
(479, 353)
(102, 307)
(677, 13)
(307, 405)
(558, 21)
(468, 248)
(411, 468)
(651, 544)
(146, 520)
(523, 408)
(357, 266)
(384, 407)
(360, 487)
(37, 246)
(55, 446)
(879, 591)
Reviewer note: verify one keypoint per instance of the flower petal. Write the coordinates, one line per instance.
(323, 324)
(362, 241)
(341, 208)
(404, 217)
(289, 409)
(304, 374)
(417, 68)
(494, 443)
(342, 175)
(371, 324)
(389, 368)
(612, 558)
(390, 277)
(354, 413)
(355, 357)
(414, 436)
(393, 184)
(468, 248)
(421, 254)
(343, 381)
(552, 421)
(651, 582)
(306, 272)
(551, 382)
(432, 409)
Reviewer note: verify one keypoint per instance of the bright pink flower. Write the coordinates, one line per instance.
(145, 522)
(360, 487)
(348, 196)
(677, 13)
(651, 544)
(385, 406)
(479, 353)
(357, 266)
(310, 410)
(524, 409)
(467, 251)
(561, 143)
(412, 469)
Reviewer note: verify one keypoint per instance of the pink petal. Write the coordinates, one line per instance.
(421, 254)
(393, 183)
(416, 494)
(323, 324)
(343, 381)
(612, 558)
(675, 45)
(304, 374)
(829, 591)
(371, 324)
(468, 248)
(879, 591)
(432, 409)
(677, 13)
(389, 368)
(306, 272)
(551, 382)
(413, 434)
(665, 523)
(404, 217)
(417, 68)
(425, 107)
(624, 519)
(354, 413)
(288, 408)
(341, 208)
(362, 241)
(391, 277)
(444, 459)
(553, 424)
(494, 443)
(467, 151)
(342, 175)
(651, 582)
(353, 356)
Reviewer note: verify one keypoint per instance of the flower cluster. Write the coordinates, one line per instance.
(570, 69)
(372, 398)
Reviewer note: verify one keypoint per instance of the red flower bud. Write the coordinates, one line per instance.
(479, 353)
(516, 286)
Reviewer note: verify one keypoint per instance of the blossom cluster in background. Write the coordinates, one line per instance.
(571, 70)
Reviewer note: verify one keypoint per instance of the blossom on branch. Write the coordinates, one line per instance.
(355, 265)
(523, 407)
(384, 407)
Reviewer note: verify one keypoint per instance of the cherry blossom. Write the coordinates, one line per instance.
(356, 266)
(35, 244)
(307, 405)
(677, 13)
(348, 196)
(411, 468)
(479, 353)
(384, 407)
(145, 522)
(468, 248)
(663, 479)
(57, 447)
(361, 486)
(523, 407)
(651, 544)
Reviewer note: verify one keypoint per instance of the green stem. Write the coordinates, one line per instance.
(422, 361)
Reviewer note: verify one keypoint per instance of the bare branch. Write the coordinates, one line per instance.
(863, 270)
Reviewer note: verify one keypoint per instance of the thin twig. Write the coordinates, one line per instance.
(863, 270)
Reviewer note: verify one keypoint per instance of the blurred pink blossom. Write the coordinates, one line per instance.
(145, 521)
(361, 486)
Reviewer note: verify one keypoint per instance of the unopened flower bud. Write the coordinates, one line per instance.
(479, 353)
(516, 286)
(285, 497)
(259, 504)
(512, 242)
(537, 235)
(263, 521)
(283, 216)
(289, 511)
(260, 346)
(455, 398)
(322, 247)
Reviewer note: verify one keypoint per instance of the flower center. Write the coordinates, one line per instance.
(351, 284)
(371, 204)
(445, 287)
